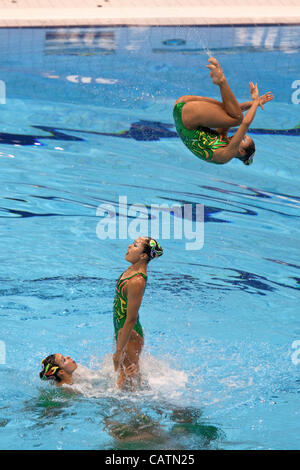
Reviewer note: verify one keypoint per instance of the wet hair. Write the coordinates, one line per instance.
(152, 248)
(250, 151)
(50, 369)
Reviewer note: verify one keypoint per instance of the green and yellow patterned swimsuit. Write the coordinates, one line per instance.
(201, 142)
(120, 306)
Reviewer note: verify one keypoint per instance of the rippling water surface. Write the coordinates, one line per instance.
(87, 119)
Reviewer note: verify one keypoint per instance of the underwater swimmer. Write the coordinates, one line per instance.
(63, 370)
(202, 123)
(128, 297)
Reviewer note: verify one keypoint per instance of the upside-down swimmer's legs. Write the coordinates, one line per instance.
(230, 102)
(209, 113)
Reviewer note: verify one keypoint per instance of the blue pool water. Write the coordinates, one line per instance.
(87, 119)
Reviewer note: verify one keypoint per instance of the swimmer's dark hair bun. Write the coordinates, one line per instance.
(153, 248)
(247, 159)
(49, 369)
(156, 248)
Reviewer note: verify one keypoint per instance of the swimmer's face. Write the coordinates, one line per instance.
(135, 251)
(65, 363)
(245, 144)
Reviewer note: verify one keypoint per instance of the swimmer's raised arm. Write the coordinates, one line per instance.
(244, 106)
(225, 154)
(262, 100)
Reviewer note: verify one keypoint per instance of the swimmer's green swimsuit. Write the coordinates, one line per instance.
(120, 306)
(201, 142)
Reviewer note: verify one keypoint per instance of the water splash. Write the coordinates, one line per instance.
(159, 380)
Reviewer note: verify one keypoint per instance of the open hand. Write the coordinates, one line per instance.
(265, 98)
(131, 370)
(253, 91)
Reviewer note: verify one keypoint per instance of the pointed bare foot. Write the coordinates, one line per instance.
(216, 71)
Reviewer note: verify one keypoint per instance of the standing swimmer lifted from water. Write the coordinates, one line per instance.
(202, 123)
(128, 298)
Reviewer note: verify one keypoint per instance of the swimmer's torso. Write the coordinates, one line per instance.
(120, 305)
(201, 142)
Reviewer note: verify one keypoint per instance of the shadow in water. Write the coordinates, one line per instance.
(50, 403)
(141, 131)
(132, 420)
(165, 427)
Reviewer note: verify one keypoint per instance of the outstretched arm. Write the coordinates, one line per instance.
(224, 155)
(244, 106)
(247, 105)
(262, 100)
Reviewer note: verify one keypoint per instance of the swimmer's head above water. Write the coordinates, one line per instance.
(143, 249)
(58, 368)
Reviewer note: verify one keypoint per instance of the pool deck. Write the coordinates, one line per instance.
(53, 13)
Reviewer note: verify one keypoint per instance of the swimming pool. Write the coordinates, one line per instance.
(87, 119)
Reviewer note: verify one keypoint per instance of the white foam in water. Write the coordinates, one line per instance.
(94, 383)
(159, 378)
